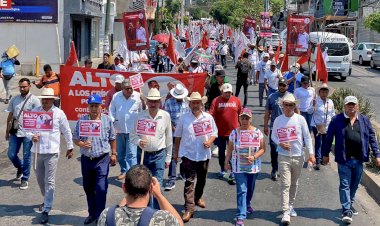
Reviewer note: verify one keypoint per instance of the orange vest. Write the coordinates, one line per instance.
(52, 82)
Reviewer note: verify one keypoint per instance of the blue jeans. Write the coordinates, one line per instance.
(172, 174)
(14, 147)
(221, 142)
(126, 152)
(155, 161)
(307, 117)
(245, 186)
(319, 140)
(273, 153)
(350, 175)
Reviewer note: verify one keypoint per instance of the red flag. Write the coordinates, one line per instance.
(320, 64)
(277, 52)
(187, 34)
(205, 41)
(285, 63)
(304, 58)
(73, 58)
(171, 50)
(177, 31)
(188, 45)
(230, 33)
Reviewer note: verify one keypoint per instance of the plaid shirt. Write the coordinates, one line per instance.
(100, 145)
(176, 109)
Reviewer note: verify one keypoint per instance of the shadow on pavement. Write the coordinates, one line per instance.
(61, 219)
(10, 183)
(14, 210)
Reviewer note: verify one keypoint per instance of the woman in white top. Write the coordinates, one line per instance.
(305, 95)
(323, 112)
(245, 147)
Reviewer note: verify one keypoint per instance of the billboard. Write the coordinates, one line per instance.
(26, 11)
(249, 28)
(297, 40)
(265, 24)
(136, 31)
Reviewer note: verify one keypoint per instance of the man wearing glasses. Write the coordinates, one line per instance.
(23, 102)
(124, 107)
(354, 137)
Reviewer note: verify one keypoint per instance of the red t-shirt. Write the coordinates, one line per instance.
(226, 114)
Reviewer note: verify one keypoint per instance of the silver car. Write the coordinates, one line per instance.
(362, 52)
(375, 58)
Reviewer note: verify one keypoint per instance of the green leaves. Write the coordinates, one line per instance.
(373, 22)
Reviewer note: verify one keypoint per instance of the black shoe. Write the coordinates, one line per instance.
(41, 207)
(347, 217)
(44, 217)
(19, 174)
(354, 211)
(169, 185)
(318, 166)
(24, 185)
(89, 220)
(274, 175)
(6, 101)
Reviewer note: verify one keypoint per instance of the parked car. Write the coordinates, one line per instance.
(362, 52)
(375, 58)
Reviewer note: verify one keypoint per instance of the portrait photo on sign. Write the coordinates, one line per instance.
(136, 31)
(298, 34)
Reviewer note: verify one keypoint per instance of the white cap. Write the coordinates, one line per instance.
(350, 99)
(265, 55)
(226, 87)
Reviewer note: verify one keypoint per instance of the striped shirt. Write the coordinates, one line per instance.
(100, 145)
(176, 109)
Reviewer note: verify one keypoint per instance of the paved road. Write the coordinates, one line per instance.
(364, 80)
(317, 201)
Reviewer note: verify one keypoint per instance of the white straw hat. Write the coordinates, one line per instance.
(179, 91)
(47, 93)
(196, 96)
(153, 94)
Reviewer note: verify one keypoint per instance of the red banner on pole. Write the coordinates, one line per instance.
(297, 40)
(136, 31)
(265, 24)
(249, 27)
(77, 84)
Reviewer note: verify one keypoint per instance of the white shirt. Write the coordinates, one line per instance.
(135, 61)
(141, 34)
(223, 49)
(262, 68)
(254, 57)
(305, 97)
(319, 115)
(15, 105)
(303, 134)
(303, 40)
(273, 77)
(191, 146)
(120, 67)
(50, 142)
(162, 139)
(198, 69)
(123, 112)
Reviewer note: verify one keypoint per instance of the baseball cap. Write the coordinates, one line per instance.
(265, 55)
(246, 112)
(119, 79)
(220, 73)
(273, 63)
(226, 87)
(282, 81)
(350, 99)
(94, 99)
(305, 79)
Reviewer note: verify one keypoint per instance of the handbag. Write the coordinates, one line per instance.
(322, 128)
(13, 124)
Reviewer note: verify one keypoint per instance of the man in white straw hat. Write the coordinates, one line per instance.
(116, 82)
(323, 112)
(46, 146)
(155, 151)
(123, 110)
(290, 133)
(176, 107)
(194, 135)
(354, 139)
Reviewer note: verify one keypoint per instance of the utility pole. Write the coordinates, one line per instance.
(106, 46)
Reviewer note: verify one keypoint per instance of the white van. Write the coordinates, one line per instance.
(339, 53)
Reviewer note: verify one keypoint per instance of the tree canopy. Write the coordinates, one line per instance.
(373, 22)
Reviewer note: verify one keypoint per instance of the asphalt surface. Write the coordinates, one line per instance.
(317, 200)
